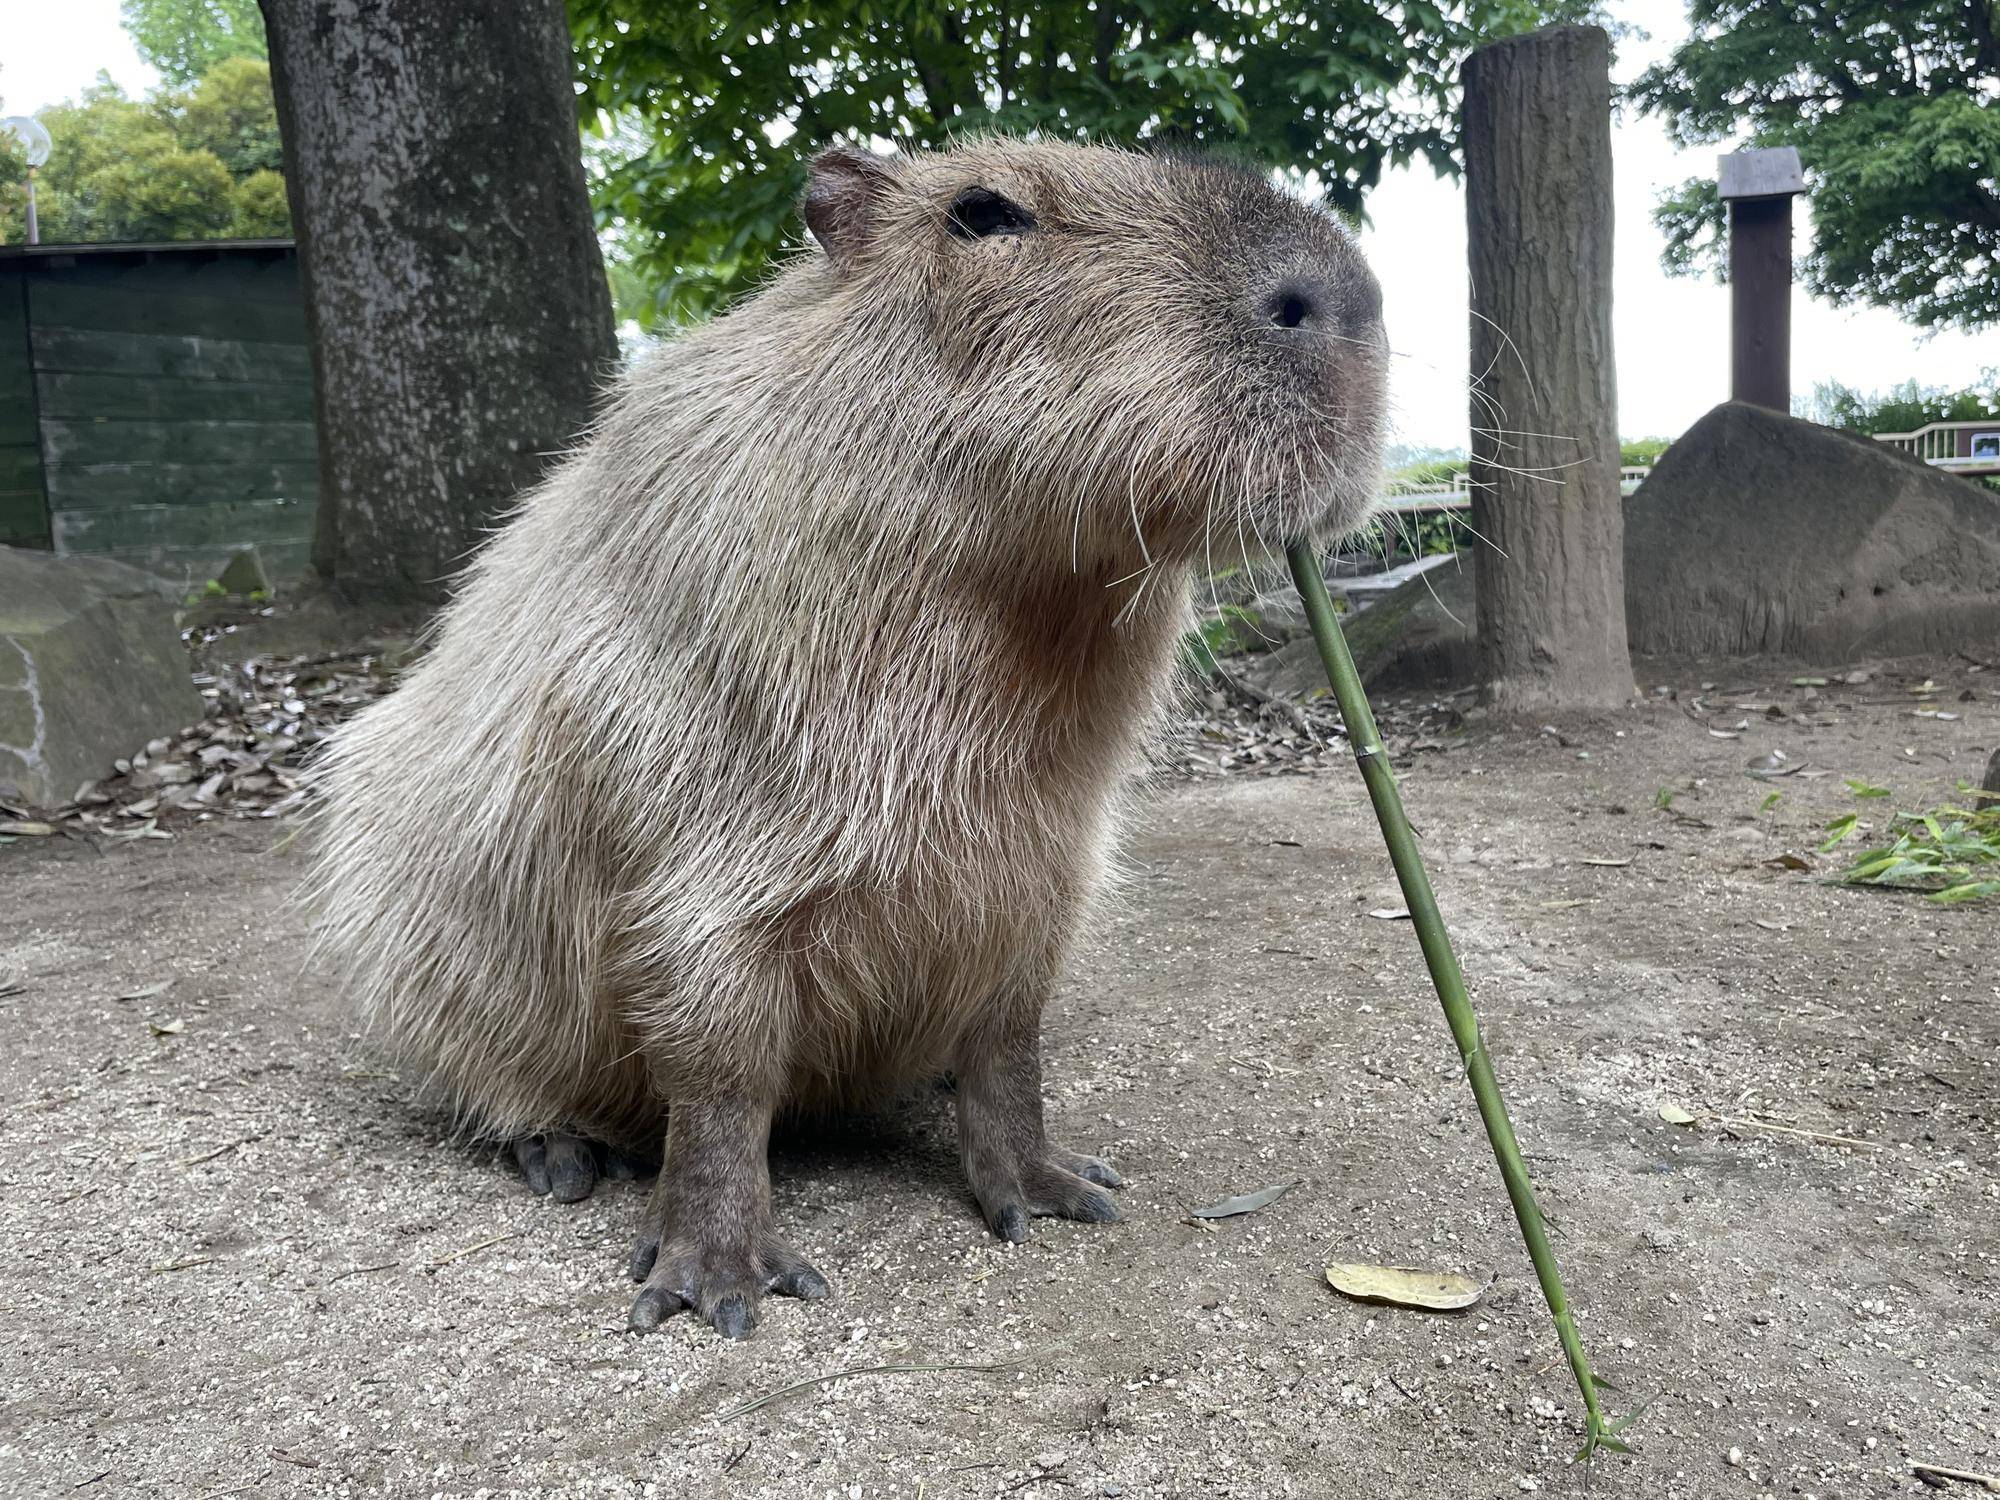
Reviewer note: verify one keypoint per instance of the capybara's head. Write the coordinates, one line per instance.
(1167, 349)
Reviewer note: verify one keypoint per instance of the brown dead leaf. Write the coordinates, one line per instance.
(1406, 1286)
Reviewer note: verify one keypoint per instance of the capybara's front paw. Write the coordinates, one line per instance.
(723, 1286)
(1057, 1185)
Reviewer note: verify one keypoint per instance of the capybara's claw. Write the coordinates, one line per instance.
(725, 1295)
(1090, 1168)
(1066, 1185)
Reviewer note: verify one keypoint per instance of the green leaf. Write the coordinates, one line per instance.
(699, 119)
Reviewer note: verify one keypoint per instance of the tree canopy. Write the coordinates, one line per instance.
(199, 163)
(704, 115)
(1901, 408)
(185, 39)
(1894, 106)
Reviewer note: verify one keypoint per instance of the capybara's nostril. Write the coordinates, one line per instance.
(1290, 309)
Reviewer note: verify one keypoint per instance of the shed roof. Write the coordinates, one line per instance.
(131, 248)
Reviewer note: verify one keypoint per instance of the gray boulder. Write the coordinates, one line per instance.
(1417, 635)
(91, 667)
(1757, 533)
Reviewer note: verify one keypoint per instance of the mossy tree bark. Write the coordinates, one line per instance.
(461, 323)
(1545, 402)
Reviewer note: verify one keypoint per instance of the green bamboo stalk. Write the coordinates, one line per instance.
(1446, 976)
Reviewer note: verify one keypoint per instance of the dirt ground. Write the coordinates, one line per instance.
(236, 1260)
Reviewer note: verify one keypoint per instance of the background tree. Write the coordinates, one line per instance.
(198, 163)
(1545, 496)
(454, 291)
(1894, 106)
(185, 40)
(230, 113)
(1901, 408)
(705, 114)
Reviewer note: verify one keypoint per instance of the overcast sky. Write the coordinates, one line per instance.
(1672, 335)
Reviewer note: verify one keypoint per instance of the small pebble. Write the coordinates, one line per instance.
(1735, 1458)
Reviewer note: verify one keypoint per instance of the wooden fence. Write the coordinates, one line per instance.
(156, 404)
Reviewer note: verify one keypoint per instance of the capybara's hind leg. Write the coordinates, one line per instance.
(557, 1165)
(1015, 1173)
(567, 1167)
(709, 1242)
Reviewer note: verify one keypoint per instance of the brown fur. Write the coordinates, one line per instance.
(772, 754)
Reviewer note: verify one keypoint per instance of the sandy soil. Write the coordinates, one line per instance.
(236, 1260)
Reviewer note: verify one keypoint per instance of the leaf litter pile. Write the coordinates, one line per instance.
(1232, 728)
(269, 714)
(266, 719)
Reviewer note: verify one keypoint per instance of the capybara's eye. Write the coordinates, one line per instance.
(978, 212)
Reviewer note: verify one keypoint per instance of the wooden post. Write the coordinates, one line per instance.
(1758, 186)
(1545, 498)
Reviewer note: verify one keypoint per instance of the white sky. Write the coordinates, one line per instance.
(1672, 335)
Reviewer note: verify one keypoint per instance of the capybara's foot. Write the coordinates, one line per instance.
(568, 1167)
(557, 1165)
(1015, 1173)
(1058, 1185)
(723, 1287)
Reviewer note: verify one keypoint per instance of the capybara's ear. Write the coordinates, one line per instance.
(842, 193)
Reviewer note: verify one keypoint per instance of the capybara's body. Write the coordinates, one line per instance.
(770, 756)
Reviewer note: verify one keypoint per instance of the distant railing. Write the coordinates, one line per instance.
(1963, 447)
(1455, 493)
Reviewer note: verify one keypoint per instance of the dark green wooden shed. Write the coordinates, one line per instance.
(156, 404)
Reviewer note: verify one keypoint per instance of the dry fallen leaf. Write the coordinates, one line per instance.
(168, 1028)
(1609, 864)
(1406, 1286)
(1248, 1203)
(1673, 1114)
(1390, 913)
(26, 828)
(147, 991)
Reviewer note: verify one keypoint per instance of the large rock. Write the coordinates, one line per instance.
(91, 667)
(1760, 533)
(1417, 635)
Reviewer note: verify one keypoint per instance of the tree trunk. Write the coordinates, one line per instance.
(456, 298)
(1551, 584)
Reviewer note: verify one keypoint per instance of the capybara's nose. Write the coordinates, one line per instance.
(1347, 304)
(1291, 306)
